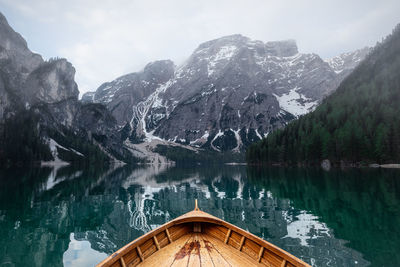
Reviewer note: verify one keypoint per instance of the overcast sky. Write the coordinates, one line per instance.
(105, 39)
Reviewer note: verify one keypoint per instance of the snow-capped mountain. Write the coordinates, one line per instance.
(230, 92)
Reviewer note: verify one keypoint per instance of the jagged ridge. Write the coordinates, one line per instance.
(230, 92)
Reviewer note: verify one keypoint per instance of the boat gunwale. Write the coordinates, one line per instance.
(200, 216)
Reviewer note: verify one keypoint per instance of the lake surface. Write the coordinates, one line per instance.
(76, 217)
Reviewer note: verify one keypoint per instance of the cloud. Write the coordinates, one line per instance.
(106, 39)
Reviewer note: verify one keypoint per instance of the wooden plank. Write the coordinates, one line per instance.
(175, 228)
(233, 257)
(163, 242)
(131, 257)
(168, 235)
(216, 230)
(182, 256)
(197, 227)
(283, 263)
(233, 243)
(215, 233)
(195, 256)
(227, 236)
(251, 248)
(162, 239)
(205, 255)
(135, 262)
(148, 252)
(271, 258)
(236, 237)
(241, 243)
(122, 262)
(260, 254)
(116, 264)
(148, 247)
(219, 228)
(145, 245)
(217, 258)
(160, 236)
(166, 256)
(248, 251)
(178, 232)
(139, 251)
(156, 242)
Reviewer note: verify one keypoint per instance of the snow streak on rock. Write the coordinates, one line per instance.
(232, 89)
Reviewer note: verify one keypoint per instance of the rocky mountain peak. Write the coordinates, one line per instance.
(53, 81)
(228, 44)
(13, 45)
(286, 48)
(348, 61)
(235, 39)
(159, 66)
(230, 92)
(10, 39)
(163, 69)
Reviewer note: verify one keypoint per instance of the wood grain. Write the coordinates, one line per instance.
(156, 242)
(196, 238)
(227, 236)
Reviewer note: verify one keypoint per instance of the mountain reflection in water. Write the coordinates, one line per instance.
(75, 217)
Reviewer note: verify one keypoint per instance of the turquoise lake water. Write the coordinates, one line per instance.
(76, 217)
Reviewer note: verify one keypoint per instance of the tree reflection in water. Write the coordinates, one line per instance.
(338, 218)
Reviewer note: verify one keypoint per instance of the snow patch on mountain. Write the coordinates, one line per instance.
(348, 60)
(296, 103)
(227, 83)
(224, 54)
(336, 63)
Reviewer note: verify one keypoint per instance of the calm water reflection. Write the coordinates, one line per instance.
(75, 217)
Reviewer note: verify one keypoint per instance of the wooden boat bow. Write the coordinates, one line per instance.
(200, 239)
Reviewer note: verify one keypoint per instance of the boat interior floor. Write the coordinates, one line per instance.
(197, 243)
(199, 249)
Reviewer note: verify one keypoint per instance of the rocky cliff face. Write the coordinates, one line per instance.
(48, 90)
(16, 62)
(26, 79)
(51, 82)
(125, 92)
(230, 92)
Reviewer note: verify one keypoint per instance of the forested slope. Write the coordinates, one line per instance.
(360, 122)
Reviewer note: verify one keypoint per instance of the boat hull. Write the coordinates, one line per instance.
(200, 239)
